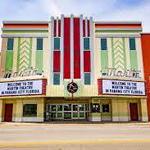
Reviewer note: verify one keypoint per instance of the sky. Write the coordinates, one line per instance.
(100, 10)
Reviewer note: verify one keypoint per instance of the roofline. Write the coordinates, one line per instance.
(146, 33)
(118, 22)
(25, 22)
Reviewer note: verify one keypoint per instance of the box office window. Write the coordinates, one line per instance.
(39, 44)
(132, 44)
(10, 44)
(29, 110)
(105, 108)
(95, 108)
(103, 44)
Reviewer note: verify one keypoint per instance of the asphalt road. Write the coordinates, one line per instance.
(75, 136)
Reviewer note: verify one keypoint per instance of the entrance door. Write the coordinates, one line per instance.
(8, 112)
(134, 111)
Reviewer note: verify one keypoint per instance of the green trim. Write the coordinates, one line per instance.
(104, 59)
(39, 61)
(133, 60)
(9, 60)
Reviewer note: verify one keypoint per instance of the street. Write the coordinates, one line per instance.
(74, 136)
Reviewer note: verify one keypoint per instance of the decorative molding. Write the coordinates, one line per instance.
(118, 29)
(118, 35)
(24, 29)
(25, 35)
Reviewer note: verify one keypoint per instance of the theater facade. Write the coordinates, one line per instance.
(72, 68)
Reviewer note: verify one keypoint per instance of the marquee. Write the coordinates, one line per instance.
(26, 87)
(121, 87)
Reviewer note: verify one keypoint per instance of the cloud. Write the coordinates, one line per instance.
(99, 9)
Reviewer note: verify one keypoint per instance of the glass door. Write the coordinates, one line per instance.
(67, 112)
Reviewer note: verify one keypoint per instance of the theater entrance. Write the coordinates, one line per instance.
(66, 112)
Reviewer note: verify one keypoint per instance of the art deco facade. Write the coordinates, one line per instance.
(72, 68)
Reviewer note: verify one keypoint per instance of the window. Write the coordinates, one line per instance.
(87, 78)
(86, 44)
(56, 43)
(103, 44)
(30, 110)
(105, 108)
(10, 44)
(132, 44)
(56, 79)
(39, 44)
(95, 108)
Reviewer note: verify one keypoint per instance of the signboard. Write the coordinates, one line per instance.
(72, 87)
(121, 87)
(19, 88)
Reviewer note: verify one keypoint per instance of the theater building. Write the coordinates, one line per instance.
(72, 68)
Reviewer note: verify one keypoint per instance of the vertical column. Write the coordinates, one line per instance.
(71, 48)
(62, 49)
(76, 50)
(19, 111)
(40, 110)
(67, 48)
(144, 114)
(3, 56)
(81, 47)
(14, 69)
(1, 110)
(90, 33)
(51, 50)
(115, 115)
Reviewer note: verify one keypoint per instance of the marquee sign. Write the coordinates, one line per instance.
(121, 87)
(20, 88)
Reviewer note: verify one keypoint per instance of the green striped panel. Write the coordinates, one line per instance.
(104, 59)
(133, 59)
(39, 61)
(9, 60)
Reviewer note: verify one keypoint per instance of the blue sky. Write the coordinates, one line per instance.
(102, 10)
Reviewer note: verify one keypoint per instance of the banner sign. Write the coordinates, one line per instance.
(19, 88)
(120, 87)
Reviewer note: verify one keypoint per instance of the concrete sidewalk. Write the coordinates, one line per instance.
(71, 135)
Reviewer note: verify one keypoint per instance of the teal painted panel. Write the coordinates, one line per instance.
(10, 44)
(103, 44)
(56, 43)
(86, 43)
(39, 44)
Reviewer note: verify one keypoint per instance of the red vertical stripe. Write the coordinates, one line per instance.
(54, 28)
(56, 61)
(87, 61)
(88, 28)
(66, 48)
(59, 28)
(76, 48)
(83, 28)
